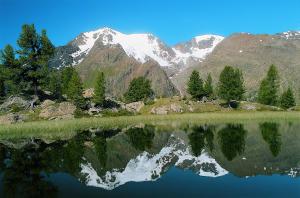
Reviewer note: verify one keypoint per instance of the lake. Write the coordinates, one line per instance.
(175, 160)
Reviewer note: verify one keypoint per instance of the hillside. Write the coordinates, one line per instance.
(253, 54)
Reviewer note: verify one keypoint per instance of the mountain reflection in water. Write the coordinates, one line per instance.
(108, 159)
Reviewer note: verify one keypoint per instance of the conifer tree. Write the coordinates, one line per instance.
(287, 99)
(66, 75)
(139, 89)
(208, 87)
(75, 89)
(35, 51)
(54, 84)
(99, 94)
(231, 84)
(268, 90)
(195, 86)
(11, 70)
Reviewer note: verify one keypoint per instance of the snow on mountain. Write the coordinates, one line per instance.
(139, 46)
(198, 48)
(290, 35)
(143, 47)
(150, 167)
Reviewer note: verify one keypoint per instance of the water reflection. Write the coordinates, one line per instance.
(110, 158)
(270, 133)
(24, 175)
(141, 137)
(232, 140)
(200, 137)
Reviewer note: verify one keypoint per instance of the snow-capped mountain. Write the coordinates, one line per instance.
(144, 47)
(290, 35)
(150, 167)
(197, 49)
(141, 47)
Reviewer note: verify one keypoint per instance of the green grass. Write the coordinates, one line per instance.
(64, 129)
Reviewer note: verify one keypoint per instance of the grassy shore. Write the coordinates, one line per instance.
(68, 128)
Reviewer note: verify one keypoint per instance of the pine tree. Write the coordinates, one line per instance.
(75, 89)
(139, 89)
(66, 75)
(208, 87)
(54, 84)
(287, 99)
(231, 84)
(35, 51)
(268, 90)
(99, 96)
(195, 86)
(11, 70)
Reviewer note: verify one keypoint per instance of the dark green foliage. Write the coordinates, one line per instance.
(208, 87)
(2, 88)
(268, 90)
(232, 140)
(11, 71)
(231, 84)
(35, 51)
(99, 94)
(54, 84)
(66, 75)
(75, 89)
(198, 136)
(141, 138)
(272, 136)
(287, 99)
(195, 86)
(139, 89)
(101, 149)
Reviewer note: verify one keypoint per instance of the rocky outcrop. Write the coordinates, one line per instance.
(134, 106)
(88, 93)
(166, 109)
(64, 110)
(12, 118)
(47, 103)
(15, 103)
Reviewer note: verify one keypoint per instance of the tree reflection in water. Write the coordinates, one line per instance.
(141, 137)
(200, 137)
(232, 140)
(270, 133)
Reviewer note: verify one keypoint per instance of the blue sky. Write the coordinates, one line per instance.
(173, 21)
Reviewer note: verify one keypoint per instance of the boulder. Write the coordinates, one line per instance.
(94, 110)
(163, 110)
(134, 106)
(15, 103)
(64, 110)
(47, 103)
(176, 108)
(88, 93)
(159, 110)
(12, 118)
(249, 107)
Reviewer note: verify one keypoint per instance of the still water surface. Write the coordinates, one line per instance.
(223, 160)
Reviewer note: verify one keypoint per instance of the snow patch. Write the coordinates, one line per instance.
(197, 53)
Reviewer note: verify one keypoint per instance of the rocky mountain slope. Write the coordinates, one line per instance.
(123, 57)
(253, 54)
